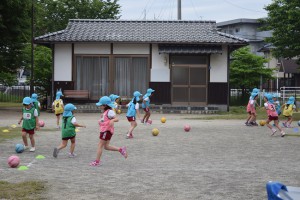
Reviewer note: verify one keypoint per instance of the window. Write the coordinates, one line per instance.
(92, 74)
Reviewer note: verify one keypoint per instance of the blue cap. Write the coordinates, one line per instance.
(255, 90)
(27, 101)
(59, 94)
(275, 96)
(105, 100)
(291, 100)
(137, 95)
(115, 97)
(253, 95)
(150, 90)
(68, 110)
(111, 97)
(34, 97)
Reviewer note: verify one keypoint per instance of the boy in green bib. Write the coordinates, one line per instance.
(68, 132)
(30, 122)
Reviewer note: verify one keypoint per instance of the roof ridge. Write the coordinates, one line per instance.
(232, 36)
(126, 20)
(50, 34)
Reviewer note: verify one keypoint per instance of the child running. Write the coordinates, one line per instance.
(106, 122)
(36, 103)
(288, 109)
(146, 105)
(272, 115)
(58, 107)
(68, 132)
(30, 123)
(133, 109)
(251, 110)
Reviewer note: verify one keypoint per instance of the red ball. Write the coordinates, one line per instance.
(41, 123)
(13, 161)
(149, 121)
(187, 128)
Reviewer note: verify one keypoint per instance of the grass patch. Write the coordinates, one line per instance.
(10, 104)
(22, 190)
(239, 112)
(16, 132)
(13, 133)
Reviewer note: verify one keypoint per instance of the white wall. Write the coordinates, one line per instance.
(91, 48)
(218, 66)
(160, 71)
(63, 62)
(131, 49)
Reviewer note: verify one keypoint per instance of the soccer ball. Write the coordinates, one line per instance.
(262, 122)
(41, 123)
(163, 120)
(187, 128)
(119, 111)
(19, 148)
(155, 132)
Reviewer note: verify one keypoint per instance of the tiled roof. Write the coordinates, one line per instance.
(177, 31)
(290, 66)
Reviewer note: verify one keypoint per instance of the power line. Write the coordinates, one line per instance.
(235, 5)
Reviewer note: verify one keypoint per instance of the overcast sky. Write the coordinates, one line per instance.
(217, 10)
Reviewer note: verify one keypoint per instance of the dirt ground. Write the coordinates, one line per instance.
(217, 159)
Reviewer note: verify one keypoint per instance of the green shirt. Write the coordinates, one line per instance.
(29, 121)
(67, 129)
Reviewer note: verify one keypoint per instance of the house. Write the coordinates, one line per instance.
(288, 73)
(185, 62)
(247, 29)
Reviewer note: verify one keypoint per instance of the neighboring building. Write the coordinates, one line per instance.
(247, 29)
(185, 62)
(288, 73)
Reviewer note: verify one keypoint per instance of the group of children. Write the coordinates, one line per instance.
(108, 105)
(273, 109)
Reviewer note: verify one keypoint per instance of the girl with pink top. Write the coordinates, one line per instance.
(251, 110)
(106, 122)
(272, 114)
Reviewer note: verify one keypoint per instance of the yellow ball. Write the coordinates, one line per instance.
(262, 122)
(163, 120)
(119, 111)
(155, 132)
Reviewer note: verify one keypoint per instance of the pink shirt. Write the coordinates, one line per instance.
(271, 110)
(104, 123)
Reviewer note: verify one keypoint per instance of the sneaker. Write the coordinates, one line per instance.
(284, 124)
(32, 149)
(26, 147)
(246, 123)
(95, 163)
(130, 136)
(282, 134)
(72, 155)
(254, 124)
(123, 152)
(55, 152)
(273, 131)
(249, 124)
(288, 126)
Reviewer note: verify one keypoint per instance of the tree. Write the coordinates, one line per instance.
(14, 34)
(284, 19)
(246, 69)
(54, 15)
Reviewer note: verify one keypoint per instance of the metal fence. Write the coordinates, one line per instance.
(14, 93)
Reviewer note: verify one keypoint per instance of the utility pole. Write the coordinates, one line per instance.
(178, 9)
(32, 48)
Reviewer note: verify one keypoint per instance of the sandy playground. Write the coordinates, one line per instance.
(217, 159)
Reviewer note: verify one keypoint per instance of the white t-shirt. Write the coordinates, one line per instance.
(111, 114)
(146, 99)
(137, 106)
(73, 121)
